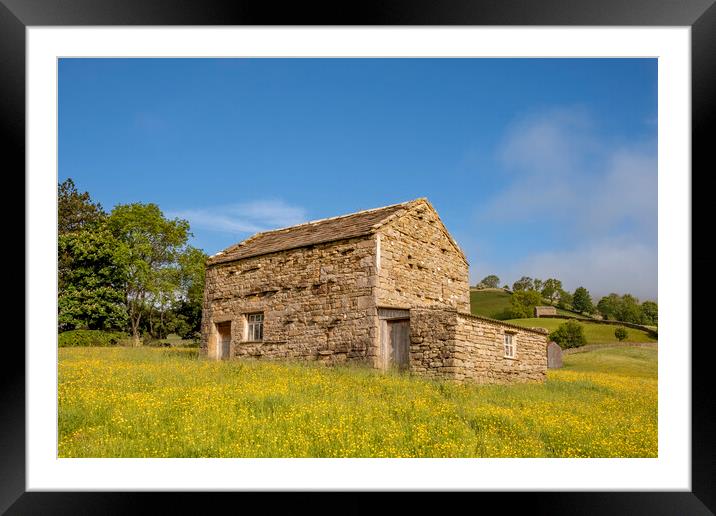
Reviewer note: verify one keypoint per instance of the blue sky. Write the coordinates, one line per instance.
(539, 167)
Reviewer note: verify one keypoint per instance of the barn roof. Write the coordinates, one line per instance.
(310, 233)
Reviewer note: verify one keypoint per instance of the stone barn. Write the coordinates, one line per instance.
(387, 287)
(541, 311)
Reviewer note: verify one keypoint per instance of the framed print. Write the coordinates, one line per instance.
(72, 64)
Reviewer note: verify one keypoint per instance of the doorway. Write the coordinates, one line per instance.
(394, 338)
(223, 340)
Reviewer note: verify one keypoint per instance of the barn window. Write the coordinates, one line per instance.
(509, 345)
(255, 325)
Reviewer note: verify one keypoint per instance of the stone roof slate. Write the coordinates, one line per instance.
(310, 233)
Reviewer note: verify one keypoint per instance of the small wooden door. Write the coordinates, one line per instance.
(223, 340)
(396, 341)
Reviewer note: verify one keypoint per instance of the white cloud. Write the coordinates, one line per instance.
(250, 217)
(612, 265)
(561, 172)
(564, 178)
(548, 144)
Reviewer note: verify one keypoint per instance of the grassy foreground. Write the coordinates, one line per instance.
(125, 402)
(595, 333)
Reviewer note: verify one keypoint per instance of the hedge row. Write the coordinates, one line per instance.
(76, 338)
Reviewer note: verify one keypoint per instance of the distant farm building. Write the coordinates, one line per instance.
(386, 286)
(541, 311)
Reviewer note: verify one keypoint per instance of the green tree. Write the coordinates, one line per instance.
(620, 333)
(91, 281)
(569, 335)
(629, 310)
(75, 210)
(153, 245)
(582, 301)
(565, 300)
(523, 303)
(192, 270)
(608, 306)
(650, 313)
(490, 281)
(551, 289)
(524, 283)
(537, 284)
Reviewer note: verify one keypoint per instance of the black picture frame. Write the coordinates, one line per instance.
(700, 15)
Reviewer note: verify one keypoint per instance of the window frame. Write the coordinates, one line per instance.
(252, 325)
(512, 345)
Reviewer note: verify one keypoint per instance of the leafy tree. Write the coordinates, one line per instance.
(523, 303)
(75, 210)
(551, 289)
(524, 283)
(192, 269)
(629, 310)
(153, 245)
(620, 333)
(506, 287)
(650, 313)
(490, 281)
(569, 335)
(537, 284)
(608, 306)
(91, 281)
(565, 300)
(582, 301)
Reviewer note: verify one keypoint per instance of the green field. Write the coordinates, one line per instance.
(595, 333)
(495, 302)
(489, 303)
(154, 402)
(628, 361)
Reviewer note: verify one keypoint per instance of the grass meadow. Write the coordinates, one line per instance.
(154, 402)
(495, 303)
(594, 332)
(490, 302)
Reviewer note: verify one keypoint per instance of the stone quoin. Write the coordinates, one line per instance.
(386, 287)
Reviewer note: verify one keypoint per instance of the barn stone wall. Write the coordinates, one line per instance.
(445, 343)
(317, 302)
(432, 342)
(418, 265)
(479, 348)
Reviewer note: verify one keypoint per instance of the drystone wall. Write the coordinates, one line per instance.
(432, 342)
(464, 348)
(418, 265)
(317, 303)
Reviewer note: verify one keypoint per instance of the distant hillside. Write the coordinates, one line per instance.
(492, 303)
(495, 302)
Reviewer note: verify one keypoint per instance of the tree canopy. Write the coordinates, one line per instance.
(551, 288)
(582, 301)
(524, 283)
(523, 303)
(153, 245)
(491, 281)
(91, 281)
(76, 211)
(628, 309)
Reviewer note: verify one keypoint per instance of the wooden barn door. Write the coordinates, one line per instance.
(399, 332)
(223, 340)
(394, 338)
